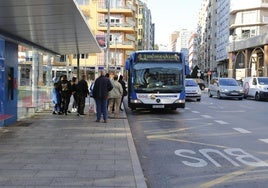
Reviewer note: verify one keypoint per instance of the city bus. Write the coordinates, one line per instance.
(156, 80)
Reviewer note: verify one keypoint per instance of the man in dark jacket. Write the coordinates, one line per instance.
(82, 93)
(101, 90)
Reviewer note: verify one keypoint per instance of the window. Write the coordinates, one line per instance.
(265, 19)
(82, 2)
(249, 17)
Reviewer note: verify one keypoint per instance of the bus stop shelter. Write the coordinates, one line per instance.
(57, 27)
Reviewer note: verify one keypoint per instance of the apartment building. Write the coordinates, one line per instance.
(233, 37)
(222, 33)
(201, 55)
(193, 49)
(120, 28)
(207, 37)
(145, 27)
(248, 50)
(173, 40)
(114, 24)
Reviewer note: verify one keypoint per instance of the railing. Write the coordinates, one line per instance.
(104, 24)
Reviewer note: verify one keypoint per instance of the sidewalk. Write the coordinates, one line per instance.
(69, 151)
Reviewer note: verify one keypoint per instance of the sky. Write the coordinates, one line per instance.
(172, 15)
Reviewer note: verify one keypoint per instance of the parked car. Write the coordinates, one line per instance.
(192, 90)
(256, 87)
(201, 83)
(225, 88)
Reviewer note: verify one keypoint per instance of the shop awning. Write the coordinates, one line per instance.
(57, 26)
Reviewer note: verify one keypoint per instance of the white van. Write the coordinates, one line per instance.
(256, 87)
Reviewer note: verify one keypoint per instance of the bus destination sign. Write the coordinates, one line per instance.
(158, 57)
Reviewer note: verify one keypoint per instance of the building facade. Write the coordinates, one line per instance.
(206, 30)
(222, 33)
(248, 48)
(193, 49)
(120, 28)
(232, 38)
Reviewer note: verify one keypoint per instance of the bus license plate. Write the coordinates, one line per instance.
(158, 106)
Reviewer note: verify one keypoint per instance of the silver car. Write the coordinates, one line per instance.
(225, 88)
(192, 90)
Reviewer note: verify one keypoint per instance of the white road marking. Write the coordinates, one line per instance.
(238, 111)
(196, 112)
(206, 116)
(221, 122)
(244, 131)
(233, 155)
(264, 140)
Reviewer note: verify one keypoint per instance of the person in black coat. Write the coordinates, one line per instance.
(65, 90)
(101, 90)
(74, 93)
(82, 93)
(122, 82)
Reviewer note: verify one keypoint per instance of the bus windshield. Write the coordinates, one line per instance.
(153, 77)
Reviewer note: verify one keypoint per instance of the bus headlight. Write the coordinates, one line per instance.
(179, 101)
(135, 101)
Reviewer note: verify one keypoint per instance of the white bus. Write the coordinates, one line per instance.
(58, 71)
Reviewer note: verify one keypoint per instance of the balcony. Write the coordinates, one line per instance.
(124, 45)
(123, 27)
(239, 5)
(131, 37)
(128, 10)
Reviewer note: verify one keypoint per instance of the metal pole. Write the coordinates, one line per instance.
(108, 36)
(78, 66)
(115, 62)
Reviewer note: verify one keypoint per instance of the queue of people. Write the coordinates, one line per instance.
(105, 95)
